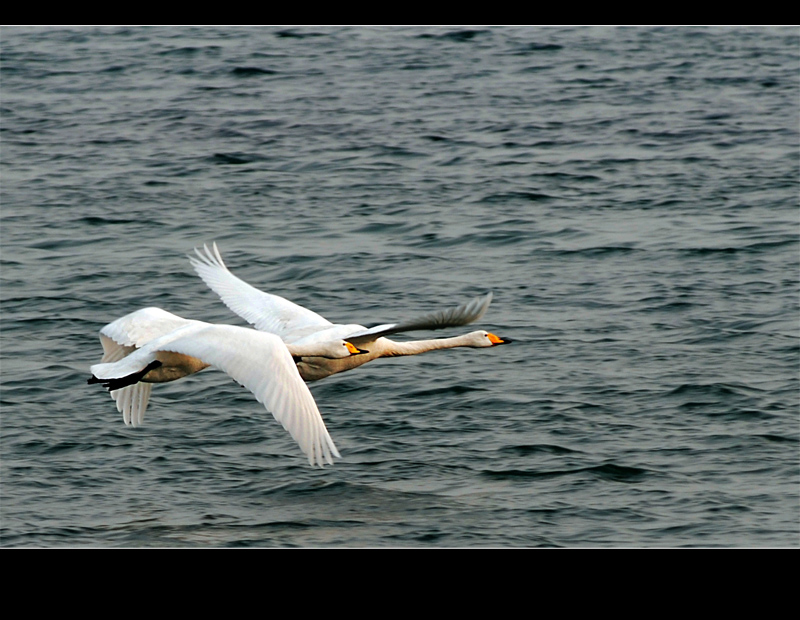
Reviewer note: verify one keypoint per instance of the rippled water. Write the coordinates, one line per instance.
(630, 196)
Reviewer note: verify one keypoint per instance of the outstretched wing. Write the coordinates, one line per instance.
(138, 328)
(268, 313)
(462, 315)
(257, 360)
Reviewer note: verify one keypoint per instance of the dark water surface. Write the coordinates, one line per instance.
(630, 196)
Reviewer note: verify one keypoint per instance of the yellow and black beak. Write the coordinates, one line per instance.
(354, 350)
(495, 340)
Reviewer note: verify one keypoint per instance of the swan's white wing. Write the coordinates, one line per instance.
(132, 402)
(268, 313)
(262, 363)
(257, 360)
(138, 328)
(462, 315)
(112, 350)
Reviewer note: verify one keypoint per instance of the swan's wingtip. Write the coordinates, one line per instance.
(481, 305)
(319, 463)
(321, 457)
(208, 256)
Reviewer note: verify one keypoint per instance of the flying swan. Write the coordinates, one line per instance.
(154, 346)
(296, 325)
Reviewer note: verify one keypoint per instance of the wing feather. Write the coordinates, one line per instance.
(132, 402)
(138, 328)
(269, 313)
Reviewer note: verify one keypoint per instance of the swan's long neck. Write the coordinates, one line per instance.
(313, 369)
(416, 347)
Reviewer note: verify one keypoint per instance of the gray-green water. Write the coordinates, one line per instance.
(630, 196)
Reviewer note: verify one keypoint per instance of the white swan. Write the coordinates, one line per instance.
(297, 325)
(154, 346)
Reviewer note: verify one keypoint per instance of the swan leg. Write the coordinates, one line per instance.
(121, 382)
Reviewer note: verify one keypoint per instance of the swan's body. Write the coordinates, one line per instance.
(297, 325)
(154, 346)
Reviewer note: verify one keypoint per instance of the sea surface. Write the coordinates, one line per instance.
(630, 196)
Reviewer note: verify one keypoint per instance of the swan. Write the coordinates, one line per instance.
(152, 345)
(297, 325)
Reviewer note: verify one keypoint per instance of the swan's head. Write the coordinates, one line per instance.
(331, 349)
(483, 338)
(339, 349)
